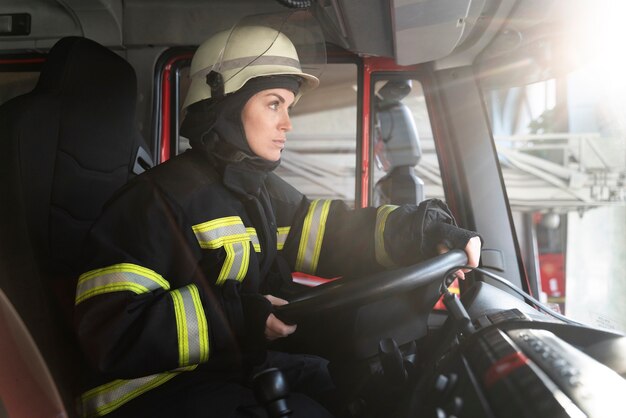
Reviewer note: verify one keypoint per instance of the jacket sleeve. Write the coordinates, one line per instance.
(329, 239)
(140, 306)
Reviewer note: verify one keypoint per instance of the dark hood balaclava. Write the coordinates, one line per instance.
(214, 127)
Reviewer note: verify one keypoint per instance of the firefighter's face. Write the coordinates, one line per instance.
(266, 122)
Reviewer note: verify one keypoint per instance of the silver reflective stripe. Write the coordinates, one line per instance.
(231, 234)
(216, 233)
(382, 257)
(260, 60)
(281, 236)
(117, 278)
(312, 236)
(191, 325)
(105, 399)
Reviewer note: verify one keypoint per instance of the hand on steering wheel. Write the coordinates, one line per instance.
(472, 249)
(274, 327)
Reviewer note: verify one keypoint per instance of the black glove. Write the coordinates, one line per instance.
(412, 233)
(449, 235)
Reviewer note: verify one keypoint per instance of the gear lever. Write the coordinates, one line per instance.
(392, 361)
(271, 391)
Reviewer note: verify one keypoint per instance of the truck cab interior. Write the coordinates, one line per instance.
(481, 103)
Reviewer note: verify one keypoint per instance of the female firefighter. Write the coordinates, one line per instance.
(185, 264)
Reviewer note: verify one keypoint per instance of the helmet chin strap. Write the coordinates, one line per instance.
(216, 82)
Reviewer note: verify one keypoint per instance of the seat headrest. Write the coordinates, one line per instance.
(83, 65)
(97, 93)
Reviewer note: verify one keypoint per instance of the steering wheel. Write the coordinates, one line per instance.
(357, 291)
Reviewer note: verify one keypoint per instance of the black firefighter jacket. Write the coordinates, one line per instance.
(179, 248)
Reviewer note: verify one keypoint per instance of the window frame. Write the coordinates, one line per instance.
(27, 62)
(166, 86)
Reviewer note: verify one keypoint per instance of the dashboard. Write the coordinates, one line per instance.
(519, 363)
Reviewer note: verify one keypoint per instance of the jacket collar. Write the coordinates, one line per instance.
(240, 172)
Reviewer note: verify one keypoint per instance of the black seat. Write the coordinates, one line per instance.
(67, 147)
(77, 142)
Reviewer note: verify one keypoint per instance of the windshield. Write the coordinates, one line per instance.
(561, 142)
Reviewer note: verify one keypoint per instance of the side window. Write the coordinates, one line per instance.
(183, 82)
(18, 75)
(405, 165)
(320, 157)
(563, 155)
(13, 84)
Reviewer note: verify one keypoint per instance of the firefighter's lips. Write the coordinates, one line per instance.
(280, 143)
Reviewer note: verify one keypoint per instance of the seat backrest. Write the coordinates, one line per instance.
(68, 145)
(77, 141)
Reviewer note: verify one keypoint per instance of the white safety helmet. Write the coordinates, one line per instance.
(240, 54)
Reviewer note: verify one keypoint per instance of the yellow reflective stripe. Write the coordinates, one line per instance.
(203, 327)
(220, 232)
(236, 262)
(231, 234)
(119, 277)
(254, 239)
(217, 223)
(312, 236)
(245, 262)
(382, 257)
(104, 399)
(181, 328)
(281, 236)
(228, 264)
(223, 241)
(191, 326)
